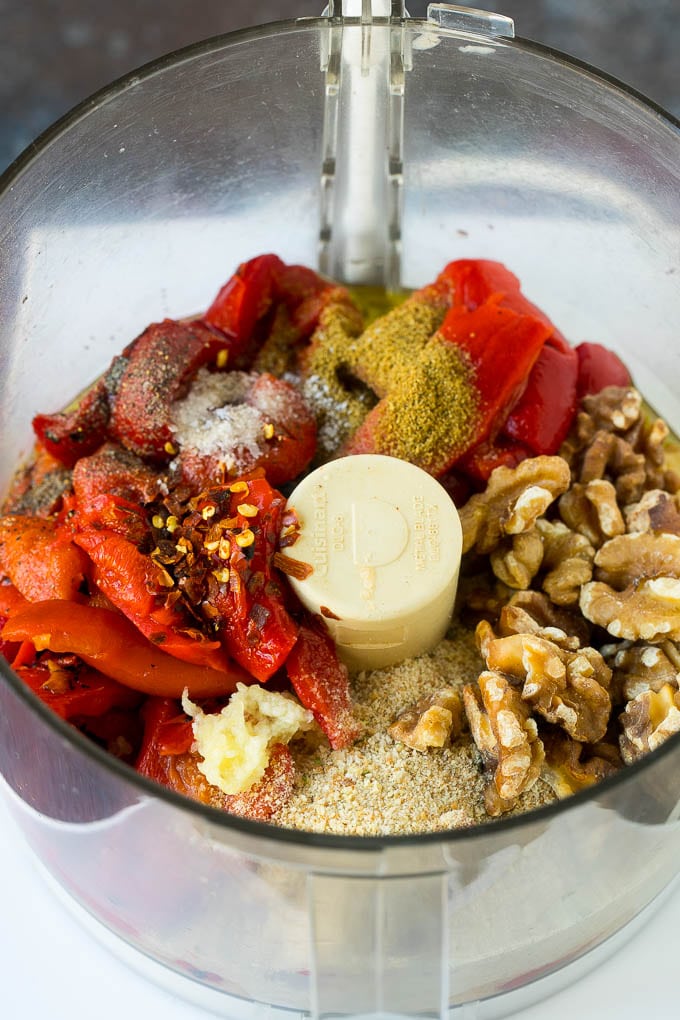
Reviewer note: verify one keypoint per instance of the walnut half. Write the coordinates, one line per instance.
(512, 501)
(507, 738)
(432, 721)
(571, 766)
(568, 688)
(648, 721)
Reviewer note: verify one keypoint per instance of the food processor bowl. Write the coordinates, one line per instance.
(465, 142)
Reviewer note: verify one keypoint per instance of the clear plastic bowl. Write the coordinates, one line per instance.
(138, 205)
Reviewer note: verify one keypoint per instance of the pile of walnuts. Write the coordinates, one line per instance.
(572, 565)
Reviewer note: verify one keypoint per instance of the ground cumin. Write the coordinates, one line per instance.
(429, 407)
(430, 417)
(386, 348)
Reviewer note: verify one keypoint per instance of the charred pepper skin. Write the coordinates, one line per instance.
(158, 369)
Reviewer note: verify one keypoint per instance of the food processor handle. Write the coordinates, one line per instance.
(380, 946)
(366, 58)
(361, 175)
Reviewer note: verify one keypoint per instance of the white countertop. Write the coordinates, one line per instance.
(52, 969)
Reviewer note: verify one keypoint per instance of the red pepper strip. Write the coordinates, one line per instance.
(305, 294)
(110, 643)
(24, 656)
(166, 729)
(8, 649)
(11, 600)
(293, 444)
(484, 458)
(469, 283)
(154, 370)
(502, 346)
(244, 300)
(321, 682)
(264, 298)
(113, 514)
(114, 470)
(73, 434)
(40, 559)
(86, 691)
(599, 367)
(257, 631)
(542, 416)
(128, 578)
(40, 487)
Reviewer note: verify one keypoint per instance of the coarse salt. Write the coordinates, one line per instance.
(214, 420)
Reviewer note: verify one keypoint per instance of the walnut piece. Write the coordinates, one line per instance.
(571, 766)
(611, 441)
(512, 501)
(656, 511)
(615, 408)
(568, 559)
(516, 560)
(532, 612)
(432, 721)
(649, 719)
(569, 688)
(640, 668)
(630, 558)
(637, 594)
(593, 511)
(507, 738)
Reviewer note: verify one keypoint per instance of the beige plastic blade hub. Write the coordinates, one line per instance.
(384, 541)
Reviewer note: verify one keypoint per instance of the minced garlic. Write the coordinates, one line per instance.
(235, 743)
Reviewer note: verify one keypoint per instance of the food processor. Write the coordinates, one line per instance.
(376, 147)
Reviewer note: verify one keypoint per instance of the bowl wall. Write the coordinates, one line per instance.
(138, 207)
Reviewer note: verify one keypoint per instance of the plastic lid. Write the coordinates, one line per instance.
(384, 541)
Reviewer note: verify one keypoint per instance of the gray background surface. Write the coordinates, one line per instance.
(54, 53)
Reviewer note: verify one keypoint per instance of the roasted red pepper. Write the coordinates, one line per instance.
(542, 416)
(167, 730)
(40, 559)
(72, 434)
(257, 629)
(75, 691)
(38, 489)
(599, 367)
(502, 345)
(11, 600)
(244, 300)
(321, 682)
(111, 644)
(266, 298)
(155, 370)
(115, 471)
(129, 580)
(287, 444)
(469, 283)
(109, 513)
